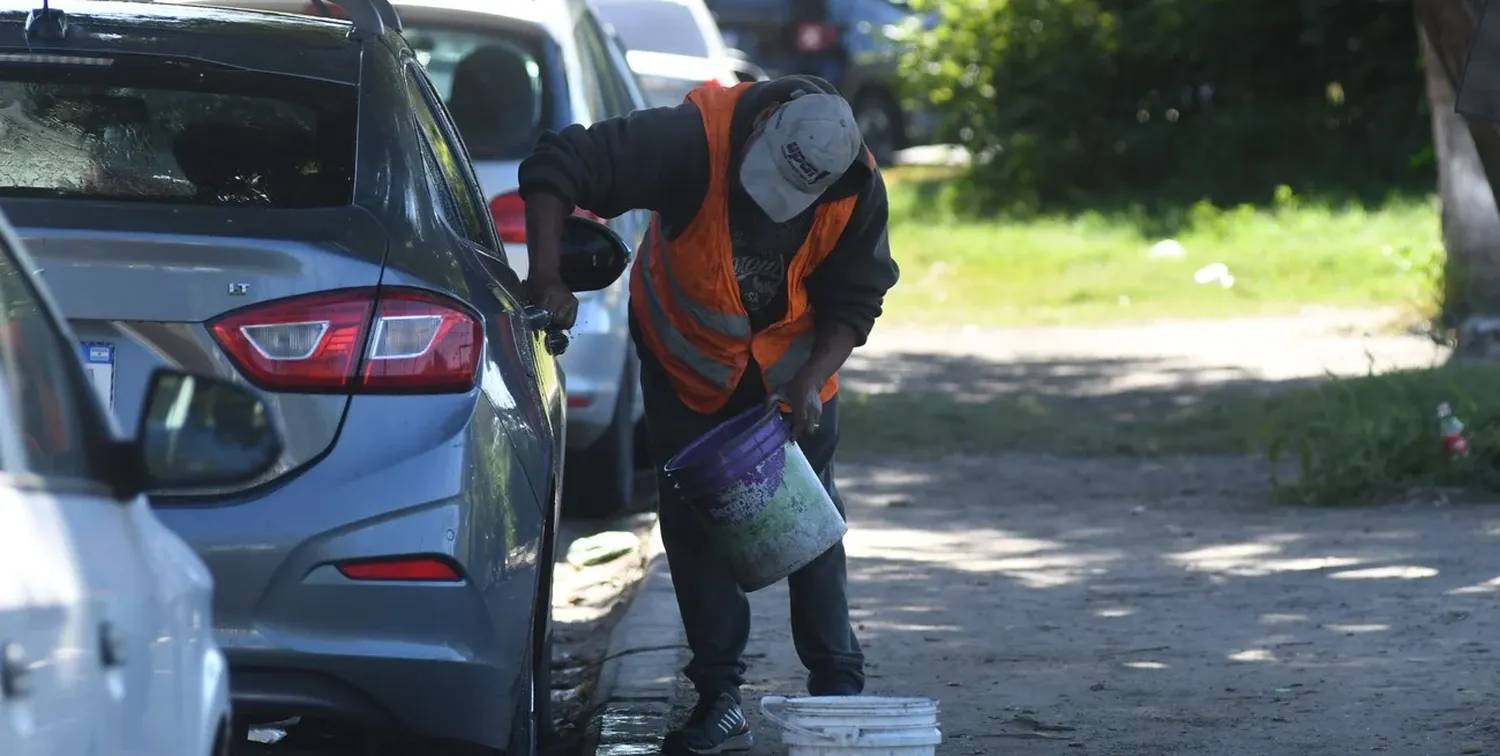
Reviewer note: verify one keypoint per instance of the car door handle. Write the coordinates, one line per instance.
(111, 645)
(15, 673)
(535, 318)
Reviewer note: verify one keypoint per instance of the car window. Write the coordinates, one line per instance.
(454, 171)
(447, 203)
(591, 61)
(658, 26)
(457, 161)
(44, 397)
(180, 133)
(614, 97)
(492, 84)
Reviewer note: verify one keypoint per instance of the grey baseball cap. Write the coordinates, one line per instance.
(806, 146)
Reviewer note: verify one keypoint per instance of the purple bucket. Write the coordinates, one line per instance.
(758, 497)
(729, 452)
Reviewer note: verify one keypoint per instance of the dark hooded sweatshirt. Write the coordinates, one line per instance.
(657, 160)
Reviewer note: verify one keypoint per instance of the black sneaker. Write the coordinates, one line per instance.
(716, 726)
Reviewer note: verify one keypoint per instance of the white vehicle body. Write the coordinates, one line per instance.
(106, 635)
(674, 46)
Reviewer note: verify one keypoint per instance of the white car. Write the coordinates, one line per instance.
(674, 46)
(507, 71)
(106, 638)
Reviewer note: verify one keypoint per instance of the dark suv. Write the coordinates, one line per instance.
(282, 200)
(855, 44)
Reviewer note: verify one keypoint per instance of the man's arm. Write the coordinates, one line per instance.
(654, 159)
(847, 290)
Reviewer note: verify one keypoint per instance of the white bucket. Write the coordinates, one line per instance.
(855, 725)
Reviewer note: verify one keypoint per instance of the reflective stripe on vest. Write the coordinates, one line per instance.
(723, 323)
(735, 326)
(796, 355)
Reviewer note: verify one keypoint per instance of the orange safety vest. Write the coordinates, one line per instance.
(686, 298)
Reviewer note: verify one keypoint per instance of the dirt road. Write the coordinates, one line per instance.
(1134, 607)
(1128, 608)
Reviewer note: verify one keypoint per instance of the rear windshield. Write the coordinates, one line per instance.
(655, 26)
(491, 82)
(174, 133)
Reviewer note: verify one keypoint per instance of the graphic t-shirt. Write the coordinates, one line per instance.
(763, 251)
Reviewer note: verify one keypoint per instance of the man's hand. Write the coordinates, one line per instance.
(552, 295)
(544, 233)
(801, 393)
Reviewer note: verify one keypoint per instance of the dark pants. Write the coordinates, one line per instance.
(715, 612)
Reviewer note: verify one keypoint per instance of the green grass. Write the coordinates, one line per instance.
(1344, 441)
(930, 424)
(1096, 268)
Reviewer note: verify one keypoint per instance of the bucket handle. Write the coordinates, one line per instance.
(772, 706)
(773, 407)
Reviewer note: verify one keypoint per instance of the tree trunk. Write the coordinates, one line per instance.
(1471, 220)
(1470, 217)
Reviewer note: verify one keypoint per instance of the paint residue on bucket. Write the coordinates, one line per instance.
(759, 498)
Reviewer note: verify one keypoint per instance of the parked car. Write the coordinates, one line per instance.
(508, 71)
(283, 201)
(105, 632)
(854, 44)
(674, 47)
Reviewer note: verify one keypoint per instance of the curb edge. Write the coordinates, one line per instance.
(638, 681)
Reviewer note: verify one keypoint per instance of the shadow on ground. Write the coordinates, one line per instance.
(924, 404)
(587, 603)
(1130, 607)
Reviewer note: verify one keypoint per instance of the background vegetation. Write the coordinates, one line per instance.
(1123, 147)
(1120, 103)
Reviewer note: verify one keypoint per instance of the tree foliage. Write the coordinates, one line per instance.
(1083, 102)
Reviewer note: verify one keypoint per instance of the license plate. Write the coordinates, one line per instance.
(99, 363)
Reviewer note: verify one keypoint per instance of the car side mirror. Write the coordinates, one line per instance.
(745, 70)
(198, 432)
(593, 256)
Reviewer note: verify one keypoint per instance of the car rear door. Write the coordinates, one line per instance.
(519, 374)
(15, 596)
(52, 694)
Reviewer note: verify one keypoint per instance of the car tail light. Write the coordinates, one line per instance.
(409, 569)
(509, 212)
(816, 37)
(403, 341)
(311, 9)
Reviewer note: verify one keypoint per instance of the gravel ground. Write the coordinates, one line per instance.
(1167, 606)
(1133, 608)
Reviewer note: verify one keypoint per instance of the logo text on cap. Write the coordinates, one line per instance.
(792, 152)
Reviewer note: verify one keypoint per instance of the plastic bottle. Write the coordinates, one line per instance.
(1455, 443)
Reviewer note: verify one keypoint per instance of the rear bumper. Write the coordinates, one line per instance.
(440, 660)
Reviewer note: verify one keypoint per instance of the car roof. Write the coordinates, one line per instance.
(227, 36)
(546, 13)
